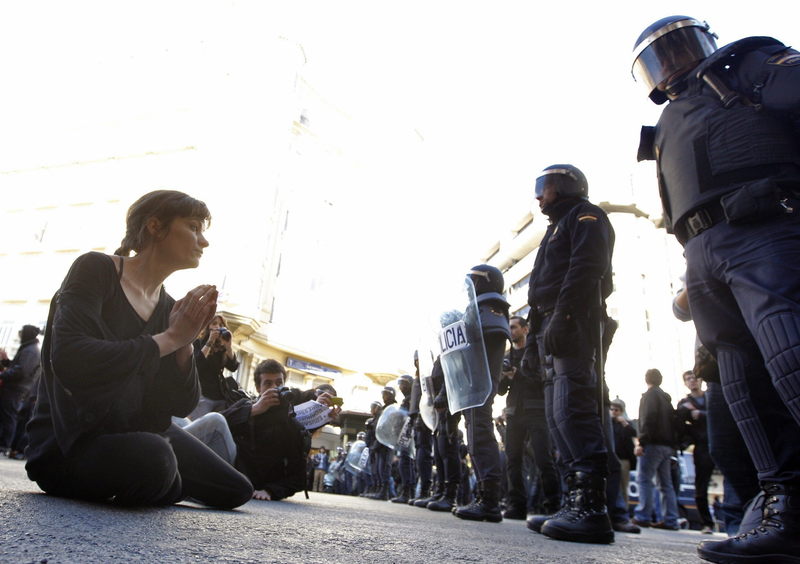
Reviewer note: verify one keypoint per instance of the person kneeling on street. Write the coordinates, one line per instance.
(271, 445)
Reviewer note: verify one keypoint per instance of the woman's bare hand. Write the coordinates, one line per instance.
(188, 317)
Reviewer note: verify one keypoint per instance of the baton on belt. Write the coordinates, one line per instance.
(597, 326)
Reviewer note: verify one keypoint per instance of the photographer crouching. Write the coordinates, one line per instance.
(271, 444)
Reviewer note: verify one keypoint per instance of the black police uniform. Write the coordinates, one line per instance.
(525, 421)
(445, 446)
(573, 258)
(371, 478)
(423, 443)
(405, 464)
(729, 177)
(728, 153)
(481, 441)
(383, 461)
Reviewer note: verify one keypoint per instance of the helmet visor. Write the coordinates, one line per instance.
(547, 178)
(669, 51)
(538, 190)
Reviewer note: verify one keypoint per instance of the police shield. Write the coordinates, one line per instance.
(426, 409)
(405, 442)
(353, 460)
(466, 370)
(390, 424)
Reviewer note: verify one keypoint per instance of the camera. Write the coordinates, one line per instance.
(506, 365)
(286, 396)
(224, 334)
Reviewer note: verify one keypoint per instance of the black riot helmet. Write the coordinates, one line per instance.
(568, 181)
(486, 278)
(668, 49)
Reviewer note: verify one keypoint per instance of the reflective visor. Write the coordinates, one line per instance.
(669, 50)
(544, 179)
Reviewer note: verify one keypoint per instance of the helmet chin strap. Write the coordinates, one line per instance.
(678, 82)
(673, 90)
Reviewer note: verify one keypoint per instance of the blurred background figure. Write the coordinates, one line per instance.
(19, 380)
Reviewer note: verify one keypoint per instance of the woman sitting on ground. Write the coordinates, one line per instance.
(118, 364)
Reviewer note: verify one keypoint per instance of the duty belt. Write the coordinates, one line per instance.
(698, 221)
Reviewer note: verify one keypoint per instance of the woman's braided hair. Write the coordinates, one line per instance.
(164, 205)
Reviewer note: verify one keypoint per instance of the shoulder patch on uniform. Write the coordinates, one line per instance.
(787, 58)
(587, 217)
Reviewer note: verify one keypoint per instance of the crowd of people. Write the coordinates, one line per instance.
(131, 405)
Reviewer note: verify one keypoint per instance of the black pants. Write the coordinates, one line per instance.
(703, 468)
(141, 468)
(10, 404)
(423, 440)
(383, 465)
(530, 425)
(479, 423)
(406, 467)
(448, 462)
(571, 405)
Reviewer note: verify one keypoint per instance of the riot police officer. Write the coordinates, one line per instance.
(423, 440)
(727, 148)
(571, 277)
(405, 463)
(483, 450)
(445, 446)
(376, 488)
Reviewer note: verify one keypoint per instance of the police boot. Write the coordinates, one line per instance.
(515, 511)
(378, 492)
(587, 518)
(424, 491)
(439, 492)
(447, 501)
(486, 507)
(775, 539)
(383, 493)
(405, 493)
(535, 522)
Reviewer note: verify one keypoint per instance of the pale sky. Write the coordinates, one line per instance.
(483, 95)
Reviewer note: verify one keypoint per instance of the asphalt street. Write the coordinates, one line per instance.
(36, 528)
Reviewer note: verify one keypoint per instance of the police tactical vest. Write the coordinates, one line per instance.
(704, 149)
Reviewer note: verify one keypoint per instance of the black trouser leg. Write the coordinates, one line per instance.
(128, 468)
(480, 425)
(423, 440)
(703, 468)
(205, 476)
(515, 449)
(148, 469)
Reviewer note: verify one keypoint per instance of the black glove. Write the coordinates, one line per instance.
(705, 365)
(561, 336)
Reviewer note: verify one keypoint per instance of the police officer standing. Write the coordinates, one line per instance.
(526, 424)
(483, 450)
(571, 277)
(423, 440)
(727, 148)
(405, 462)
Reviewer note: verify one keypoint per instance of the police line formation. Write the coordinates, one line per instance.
(118, 363)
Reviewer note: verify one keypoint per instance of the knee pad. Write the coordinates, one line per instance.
(779, 340)
(734, 366)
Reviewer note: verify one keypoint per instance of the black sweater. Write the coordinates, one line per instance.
(102, 372)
